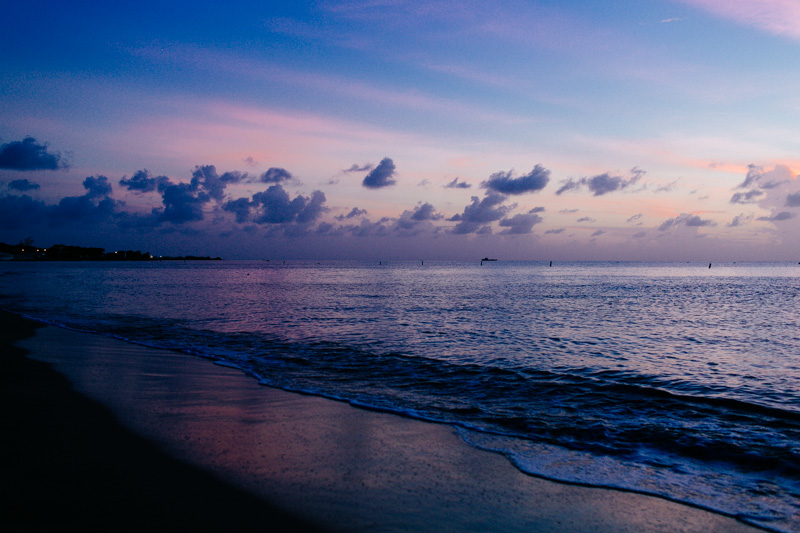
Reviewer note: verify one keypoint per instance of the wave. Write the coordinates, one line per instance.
(599, 427)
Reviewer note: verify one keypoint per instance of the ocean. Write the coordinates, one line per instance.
(676, 380)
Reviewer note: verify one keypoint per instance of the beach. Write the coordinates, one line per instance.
(105, 432)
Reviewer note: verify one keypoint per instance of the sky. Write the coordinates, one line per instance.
(394, 130)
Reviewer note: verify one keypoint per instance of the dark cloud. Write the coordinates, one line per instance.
(520, 224)
(206, 177)
(97, 187)
(20, 212)
(93, 207)
(182, 202)
(381, 176)
(685, 220)
(569, 185)
(240, 208)
(23, 185)
(634, 218)
(754, 175)
(792, 200)
(554, 231)
(356, 168)
(324, 228)
(479, 213)
(597, 233)
(27, 154)
(783, 215)
(586, 219)
(249, 161)
(81, 210)
(739, 220)
(426, 212)
(602, 183)
(455, 184)
(142, 181)
(313, 209)
(755, 179)
(505, 183)
(748, 197)
(354, 213)
(538, 209)
(274, 206)
(275, 175)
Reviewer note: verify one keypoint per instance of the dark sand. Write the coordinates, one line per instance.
(112, 444)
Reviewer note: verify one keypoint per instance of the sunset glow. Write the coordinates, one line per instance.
(396, 130)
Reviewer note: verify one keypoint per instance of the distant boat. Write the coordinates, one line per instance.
(487, 259)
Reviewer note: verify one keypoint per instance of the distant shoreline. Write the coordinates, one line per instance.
(61, 252)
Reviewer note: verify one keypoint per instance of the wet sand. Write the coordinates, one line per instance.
(105, 432)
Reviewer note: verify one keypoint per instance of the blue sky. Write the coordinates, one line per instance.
(404, 130)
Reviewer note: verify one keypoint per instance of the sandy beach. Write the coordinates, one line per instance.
(103, 432)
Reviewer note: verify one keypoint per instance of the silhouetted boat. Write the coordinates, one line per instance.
(487, 259)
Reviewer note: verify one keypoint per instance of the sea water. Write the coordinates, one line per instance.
(677, 380)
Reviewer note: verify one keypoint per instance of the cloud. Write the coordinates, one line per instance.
(554, 231)
(92, 208)
(756, 178)
(520, 224)
(739, 220)
(752, 178)
(639, 235)
(97, 187)
(505, 183)
(22, 185)
(80, 210)
(240, 208)
(685, 220)
(774, 16)
(792, 200)
(95, 206)
(783, 215)
(538, 209)
(598, 233)
(634, 218)
(567, 211)
(748, 197)
(381, 176)
(142, 181)
(602, 183)
(417, 220)
(354, 213)
(479, 213)
(207, 178)
(21, 212)
(586, 219)
(182, 202)
(425, 212)
(357, 168)
(275, 175)
(455, 184)
(275, 206)
(27, 154)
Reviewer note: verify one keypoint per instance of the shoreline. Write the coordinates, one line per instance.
(333, 464)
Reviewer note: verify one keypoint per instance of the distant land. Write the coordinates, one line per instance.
(62, 252)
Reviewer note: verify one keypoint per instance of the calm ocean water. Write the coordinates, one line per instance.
(668, 379)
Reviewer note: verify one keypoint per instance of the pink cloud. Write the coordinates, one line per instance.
(781, 17)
